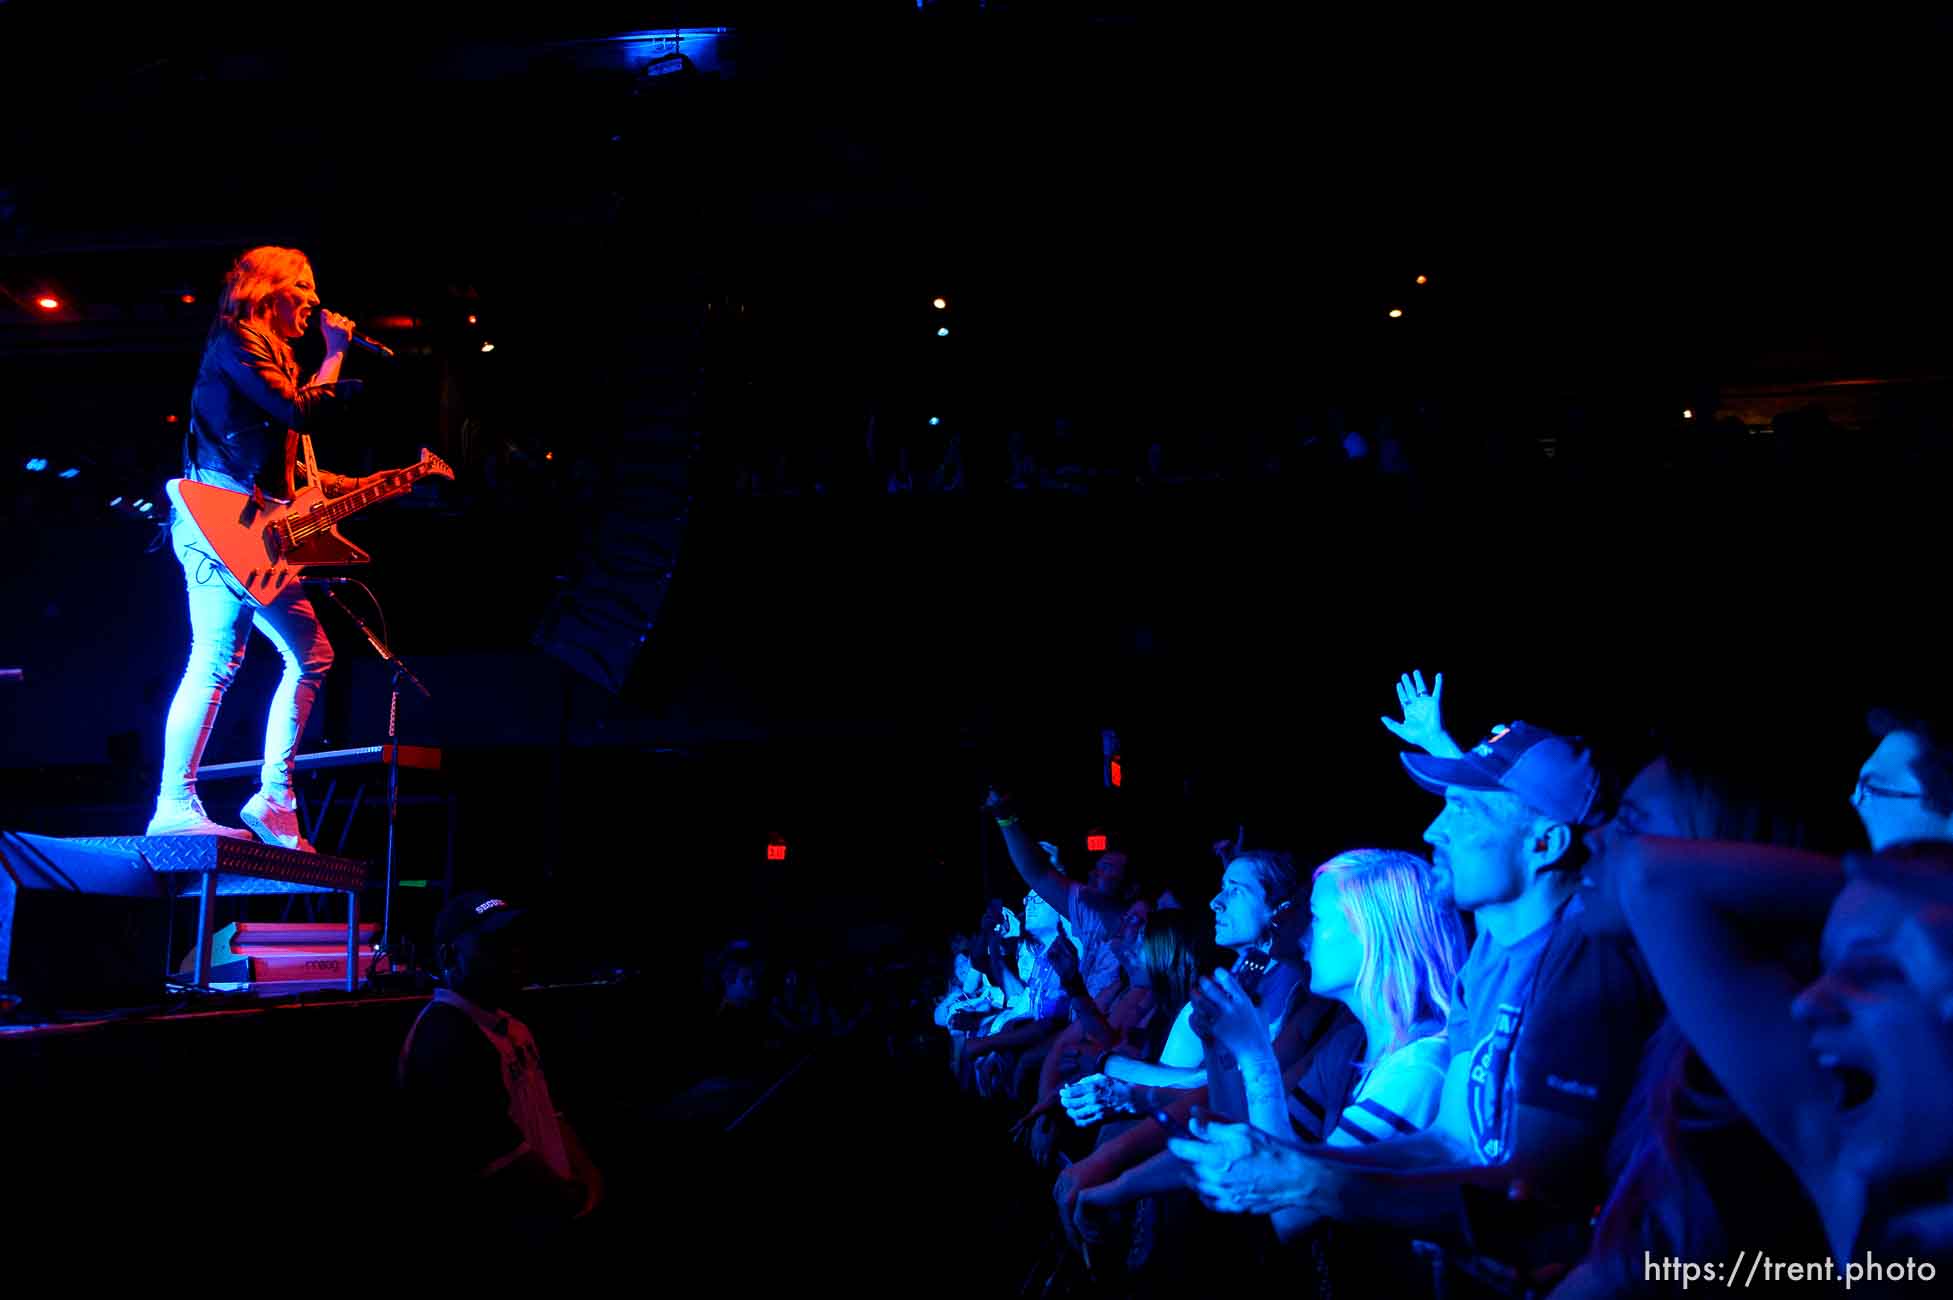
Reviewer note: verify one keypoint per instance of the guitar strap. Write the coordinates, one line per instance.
(311, 461)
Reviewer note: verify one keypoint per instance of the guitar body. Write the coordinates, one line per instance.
(252, 542)
(267, 545)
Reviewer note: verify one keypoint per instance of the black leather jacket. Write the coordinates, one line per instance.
(247, 406)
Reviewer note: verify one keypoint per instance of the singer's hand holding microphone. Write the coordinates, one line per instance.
(338, 332)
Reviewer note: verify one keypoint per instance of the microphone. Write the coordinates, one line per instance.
(360, 341)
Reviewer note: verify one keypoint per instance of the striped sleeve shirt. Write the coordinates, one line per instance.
(1399, 1096)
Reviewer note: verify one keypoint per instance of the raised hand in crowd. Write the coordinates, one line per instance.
(1423, 710)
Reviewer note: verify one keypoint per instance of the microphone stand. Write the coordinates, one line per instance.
(400, 670)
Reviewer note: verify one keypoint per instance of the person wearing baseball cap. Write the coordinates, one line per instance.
(1546, 1029)
(473, 1083)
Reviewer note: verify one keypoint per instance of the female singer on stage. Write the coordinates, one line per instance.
(245, 410)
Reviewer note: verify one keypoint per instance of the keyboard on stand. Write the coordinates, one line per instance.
(364, 769)
(422, 757)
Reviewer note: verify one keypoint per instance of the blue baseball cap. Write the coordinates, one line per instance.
(1554, 774)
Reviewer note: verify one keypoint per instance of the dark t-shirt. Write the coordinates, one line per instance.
(457, 1108)
(1279, 993)
(1556, 1021)
(1328, 1076)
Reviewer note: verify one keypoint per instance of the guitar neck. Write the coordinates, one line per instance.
(353, 502)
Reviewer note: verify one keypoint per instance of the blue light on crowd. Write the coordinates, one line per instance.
(37, 464)
(70, 472)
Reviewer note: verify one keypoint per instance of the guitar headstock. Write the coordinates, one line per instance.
(432, 464)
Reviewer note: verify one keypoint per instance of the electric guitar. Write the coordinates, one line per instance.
(266, 545)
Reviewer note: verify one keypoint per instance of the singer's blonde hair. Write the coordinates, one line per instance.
(253, 278)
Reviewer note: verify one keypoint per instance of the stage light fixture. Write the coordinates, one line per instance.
(1687, 414)
(187, 299)
(472, 320)
(48, 302)
(169, 419)
(70, 472)
(1396, 313)
(935, 420)
(114, 502)
(942, 304)
(1422, 280)
(487, 346)
(943, 333)
(145, 506)
(37, 464)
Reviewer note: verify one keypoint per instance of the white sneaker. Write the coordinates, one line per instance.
(187, 817)
(275, 823)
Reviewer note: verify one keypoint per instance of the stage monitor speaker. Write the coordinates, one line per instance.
(82, 928)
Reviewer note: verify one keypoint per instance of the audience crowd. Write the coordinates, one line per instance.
(1636, 1016)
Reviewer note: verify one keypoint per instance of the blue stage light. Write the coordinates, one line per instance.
(37, 464)
(943, 333)
(114, 502)
(70, 472)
